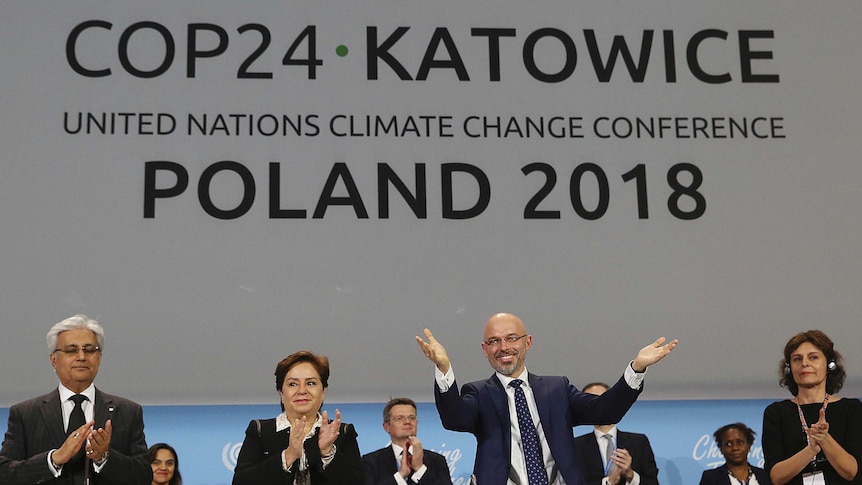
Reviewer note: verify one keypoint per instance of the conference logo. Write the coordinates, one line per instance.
(229, 454)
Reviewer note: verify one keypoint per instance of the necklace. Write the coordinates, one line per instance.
(747, 479)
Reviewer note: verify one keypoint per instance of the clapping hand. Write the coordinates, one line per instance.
(328, 432)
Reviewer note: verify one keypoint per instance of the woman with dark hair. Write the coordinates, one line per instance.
(734, 441)
(815, 437)
(300, 446)
(166, 465)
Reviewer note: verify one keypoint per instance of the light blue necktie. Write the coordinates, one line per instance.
(609, 453)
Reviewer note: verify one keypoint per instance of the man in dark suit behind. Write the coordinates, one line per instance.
(53, 439)
(552, 407)
(390, 465)
(632, 461)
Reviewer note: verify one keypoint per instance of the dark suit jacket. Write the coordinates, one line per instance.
(259, 460)
(719, 476)
(36, 427)
(589, 457)
(481, 408)
(380, 468)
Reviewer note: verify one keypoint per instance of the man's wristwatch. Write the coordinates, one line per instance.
(101, 461)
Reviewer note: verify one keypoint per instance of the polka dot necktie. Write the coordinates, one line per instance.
(536, 474)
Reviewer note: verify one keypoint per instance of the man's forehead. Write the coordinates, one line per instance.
(77, 335)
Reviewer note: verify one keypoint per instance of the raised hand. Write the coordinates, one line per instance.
(653, 353)
(434, 351)
(416, 453)
(99, 441)
(294, 445)
(405, 468)
(328, 432)
(819, 431)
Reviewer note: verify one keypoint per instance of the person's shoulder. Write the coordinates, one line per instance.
(347, 429)
(848, 402)
(114, 399)
(778, 405)
(630, 434)
(714, 472)
(584, 437)
(549, 380)
(376, 453)
(37, 401)
(483, 383)
(433, 455)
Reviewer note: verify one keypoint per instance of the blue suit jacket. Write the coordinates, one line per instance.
(719, 476)
(481, 408)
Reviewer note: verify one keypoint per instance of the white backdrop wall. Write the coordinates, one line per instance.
(731, 225)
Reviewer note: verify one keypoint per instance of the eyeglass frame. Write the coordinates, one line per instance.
(75, 350)
(399, 419)
(498, 341)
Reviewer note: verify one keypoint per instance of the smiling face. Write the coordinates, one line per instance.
(808, 365)
(302, 392)
(505, 357)
(164, 465)
(735, 447)
(76, 370)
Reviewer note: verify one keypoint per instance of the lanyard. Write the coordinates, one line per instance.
(805, 426)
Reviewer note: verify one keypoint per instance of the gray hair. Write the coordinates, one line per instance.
(74, 323)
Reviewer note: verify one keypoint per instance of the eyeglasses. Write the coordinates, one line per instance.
(496, 341)
(399, 419)
(74, 349)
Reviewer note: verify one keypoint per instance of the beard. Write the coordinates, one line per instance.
(506, 369)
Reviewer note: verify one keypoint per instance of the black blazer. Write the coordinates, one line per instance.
(589, 457)
(719, 476)
(259, 460)
(380, 468)
(36, 427)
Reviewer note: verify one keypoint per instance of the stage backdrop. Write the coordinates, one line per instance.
(208, 438)
(223, 183)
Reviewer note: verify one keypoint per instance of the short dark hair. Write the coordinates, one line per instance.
(396, 401)
(319, 362)
(177, 479)
(834, 378)
(748, 432)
